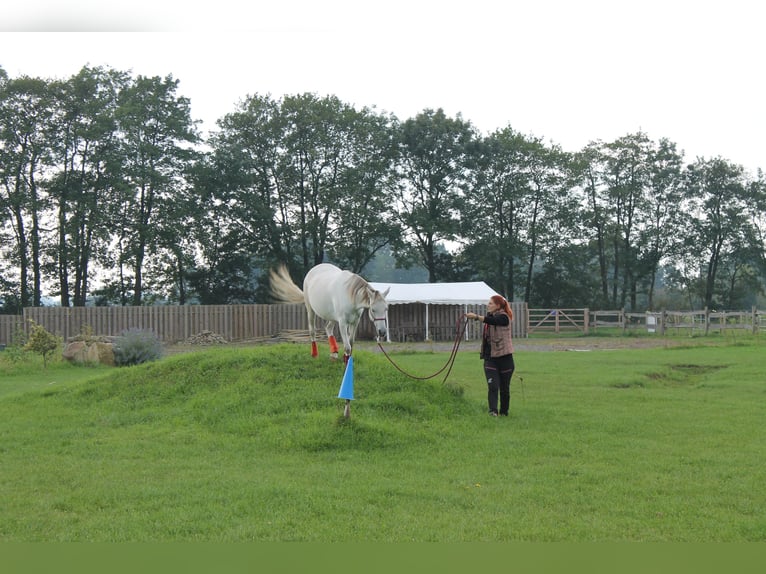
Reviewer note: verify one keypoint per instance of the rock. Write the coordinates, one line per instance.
(89, 352)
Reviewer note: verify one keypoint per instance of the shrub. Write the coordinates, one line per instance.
(136, 346)
(41, 341)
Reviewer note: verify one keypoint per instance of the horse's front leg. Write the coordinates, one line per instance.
(347, 333)
(330, 330)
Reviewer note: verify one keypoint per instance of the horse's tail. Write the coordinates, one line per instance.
(283, 290)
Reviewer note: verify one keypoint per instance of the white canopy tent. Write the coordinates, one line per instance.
(467, 293)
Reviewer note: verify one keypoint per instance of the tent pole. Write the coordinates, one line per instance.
(465, 331)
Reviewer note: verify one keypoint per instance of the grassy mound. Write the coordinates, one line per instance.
(277, 395)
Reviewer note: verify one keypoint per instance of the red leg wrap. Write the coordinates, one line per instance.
(333, 344)
(314, 351)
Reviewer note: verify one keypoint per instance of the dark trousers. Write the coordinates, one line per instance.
(498, 372)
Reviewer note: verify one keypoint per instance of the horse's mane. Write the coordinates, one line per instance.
(358, 289)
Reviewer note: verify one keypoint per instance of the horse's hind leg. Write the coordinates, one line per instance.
(330, 329)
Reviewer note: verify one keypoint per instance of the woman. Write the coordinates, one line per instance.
(497, 352)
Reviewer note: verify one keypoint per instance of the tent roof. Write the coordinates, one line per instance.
(474, 292)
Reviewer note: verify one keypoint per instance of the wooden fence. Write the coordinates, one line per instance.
(705, 321)
(408, 322)
(9, 324)
(170, 323)
(662, 322)
(558, 321)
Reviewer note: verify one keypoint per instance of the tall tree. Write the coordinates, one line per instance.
(84, 133)
(319, 143)
(662, 234)
(595, 213)
(245, 182)
(492, 212)
(177, 241)
(363, 222)
(616, 179)
(625, 173)
(156, 134)
(25, 111)
(757, 215)
(516, 209)
(437, 156)
(551, 214)
(716, 193)
(301, 180)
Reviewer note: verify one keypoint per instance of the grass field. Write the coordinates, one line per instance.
(249, 444)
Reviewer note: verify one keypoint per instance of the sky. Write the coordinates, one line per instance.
(569, 72)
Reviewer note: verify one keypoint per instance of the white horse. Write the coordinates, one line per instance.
(337, 296)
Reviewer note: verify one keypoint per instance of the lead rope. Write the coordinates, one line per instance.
(451, 360)
(460, 327)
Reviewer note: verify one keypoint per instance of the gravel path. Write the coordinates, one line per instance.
(535, 345)
(472, 346)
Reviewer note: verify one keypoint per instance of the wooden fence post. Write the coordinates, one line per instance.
(622, 320)
(586, 320)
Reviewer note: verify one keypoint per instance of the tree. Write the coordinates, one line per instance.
(156, 134)
(625, 173)
(566, 277)
(321, 149)
(86, 176)
(663, 232)
(364, 223)
(25, 110)
(595, 213)
(492, 212)
(297, 181)
(246, 181)
(717, 194)
(756, 212)
(616, 178)
(437, 155)
(518, 207)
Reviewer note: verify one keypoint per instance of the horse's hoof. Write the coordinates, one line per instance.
(334, 356)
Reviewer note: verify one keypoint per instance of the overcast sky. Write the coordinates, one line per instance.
(567, 71)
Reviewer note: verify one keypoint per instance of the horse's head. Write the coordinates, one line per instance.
(379, 311)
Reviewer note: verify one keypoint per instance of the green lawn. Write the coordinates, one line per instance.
(249, 444)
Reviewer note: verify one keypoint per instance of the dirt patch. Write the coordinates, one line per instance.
(683, 374)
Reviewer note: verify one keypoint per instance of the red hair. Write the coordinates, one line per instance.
(500, 301)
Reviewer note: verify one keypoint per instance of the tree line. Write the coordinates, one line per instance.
(110, 195)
